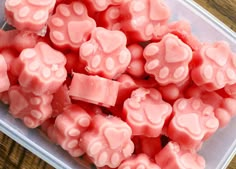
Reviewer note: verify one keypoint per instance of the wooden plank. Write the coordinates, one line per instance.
(13, 156)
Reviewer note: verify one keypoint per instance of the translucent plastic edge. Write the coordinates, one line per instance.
(49, 158)
(31, 146)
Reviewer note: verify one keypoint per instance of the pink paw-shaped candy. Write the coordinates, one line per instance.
(42, 69)
(140, 161)
(107, 141)
(30, 15)
(172, 156)
(110, 18)
(70, 26)
(168, 60)
(105, 53)
(216, 68)
(70, 124)
(32, 109)
(4, 80)
(192, 123)
(146, 112)
(94, 89)
(140, 18)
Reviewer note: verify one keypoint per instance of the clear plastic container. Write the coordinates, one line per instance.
(218, 150)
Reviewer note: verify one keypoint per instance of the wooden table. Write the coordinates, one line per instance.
(14, 156)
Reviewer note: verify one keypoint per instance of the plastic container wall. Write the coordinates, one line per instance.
(218, 150)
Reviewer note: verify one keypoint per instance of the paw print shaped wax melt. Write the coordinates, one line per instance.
(69, 125)
(108, 141)
(146, 112)
(192, 123)
(105, 53)
(141, 161)
(30, 15)
(216, 66)
(173, 156)
(70, 26)
(42, 69)
(32, 109)
(140, 18)
(168, 60)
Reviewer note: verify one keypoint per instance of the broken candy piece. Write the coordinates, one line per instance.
(107, 141)
(140, 161)
(192, 122)
(172, 156)
(42, 69)
(146, 112)
(32, 109)
(94, 89)
(70, 25)
(105, 54)
(30, 15)
(168, 60)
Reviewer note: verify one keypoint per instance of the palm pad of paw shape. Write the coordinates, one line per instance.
(146, 112)
(108, 141)
(32, 109)
(4, 80)
(69, 125)
(174, 156)
(105, 53)
(192, 123)
(70, 26)
(145, 16)
(141, 161)
(29, 14)
(168, 60)
(217, 66)
(42, 69)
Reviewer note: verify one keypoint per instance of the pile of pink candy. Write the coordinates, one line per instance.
(116, 81)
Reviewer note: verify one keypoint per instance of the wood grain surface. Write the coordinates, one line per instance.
(13, 156)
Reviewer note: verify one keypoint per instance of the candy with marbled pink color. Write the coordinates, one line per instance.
(108, 141)
(168, 60)
(146, 112)
(60, 100)
(33, 110)
(70, 25)
(110, 18)
(193, 122)
(140, 161)
(94, 89)
(215, 66)
(42, 69)
(4, 80)
(105, 54)
(231, 90)
(136, 66)
(173, 156)
(30, 15)
(140, 18)
(18, 40)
